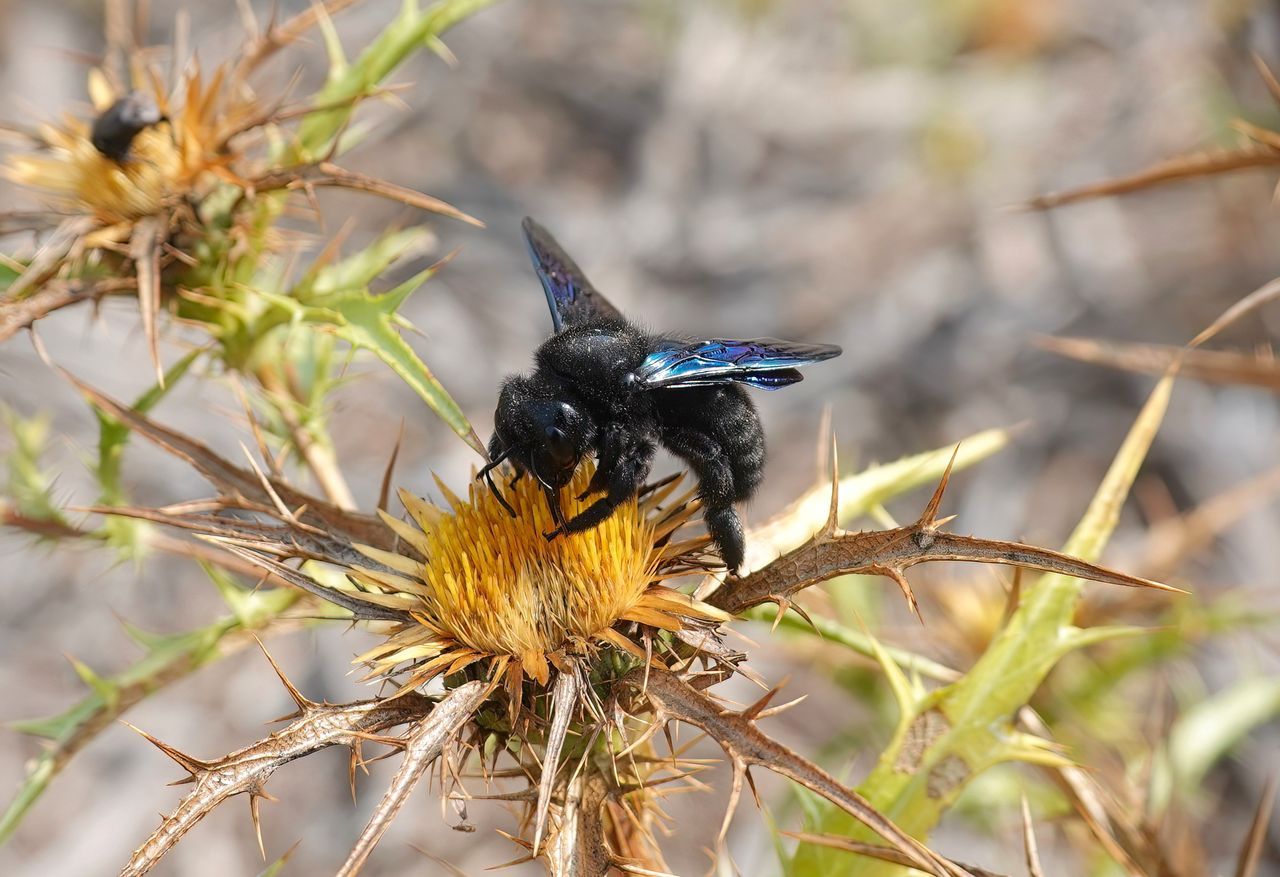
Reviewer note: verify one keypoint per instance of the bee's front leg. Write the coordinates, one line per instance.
(625, 480)
(557, 511)
(610, 448)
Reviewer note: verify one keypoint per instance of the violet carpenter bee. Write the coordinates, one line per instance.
(604, 387)
(114, 130)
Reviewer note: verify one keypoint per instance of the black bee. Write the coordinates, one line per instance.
(604, 387)
(114, 130)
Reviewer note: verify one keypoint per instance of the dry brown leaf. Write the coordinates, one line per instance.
(233, 481)
(1260, 369)
(1184, 167)
(326, 174)
(576, 848)
(422, 746)
(247, 770)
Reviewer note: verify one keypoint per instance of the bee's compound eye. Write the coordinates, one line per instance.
(559, 448)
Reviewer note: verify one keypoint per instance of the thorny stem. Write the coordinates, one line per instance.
(19, 313)
(746, 746)
(422, 746)
(247, 770)
(833, 552)
(577, 849)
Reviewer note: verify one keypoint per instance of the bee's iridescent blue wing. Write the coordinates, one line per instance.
(766, 363)
(570, 295)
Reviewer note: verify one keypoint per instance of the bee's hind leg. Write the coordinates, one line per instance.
(717, 490)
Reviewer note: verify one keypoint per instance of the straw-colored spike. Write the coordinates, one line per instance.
(414, 537)
(406, 565)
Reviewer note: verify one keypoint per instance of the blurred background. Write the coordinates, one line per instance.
(844, 172)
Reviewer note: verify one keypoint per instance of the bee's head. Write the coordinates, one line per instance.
(544, 432)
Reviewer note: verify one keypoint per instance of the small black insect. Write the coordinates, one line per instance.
(114, 130)
(602, 386)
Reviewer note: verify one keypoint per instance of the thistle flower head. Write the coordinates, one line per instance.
(496, 589)
(165, 160)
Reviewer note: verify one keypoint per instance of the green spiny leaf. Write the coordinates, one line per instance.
(368, 321)
(28, 486)
(107, 691)
(412, 29)
(357, 271)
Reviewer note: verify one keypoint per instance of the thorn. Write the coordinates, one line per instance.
(1268, 78)
(357, 758)
(385, 492)
(384, 739)
(751, 783)
(753, 712)
(823, 457)
(193, 766)
(304, 705)
(928, 518)
(903, 585)
(803, 613)
(832, 526)
(102, 687)
(1014, 596)
(783, 605)
(1029, 841)
(257, 823)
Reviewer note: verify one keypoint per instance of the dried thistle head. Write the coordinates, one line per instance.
(175, 148)
(174, 190)
(494, 591)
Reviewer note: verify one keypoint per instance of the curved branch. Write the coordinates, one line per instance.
(20, 313)
(247, 770)
(833, 552)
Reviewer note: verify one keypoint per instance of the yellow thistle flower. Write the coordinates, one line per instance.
(495, 589)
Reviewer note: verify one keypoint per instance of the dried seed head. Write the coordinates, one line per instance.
(135, 158)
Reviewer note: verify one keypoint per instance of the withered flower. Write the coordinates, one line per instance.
(185, 195)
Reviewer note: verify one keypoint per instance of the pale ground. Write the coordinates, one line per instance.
(830, 172)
